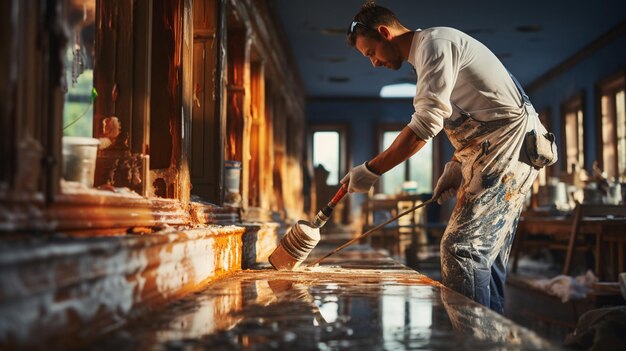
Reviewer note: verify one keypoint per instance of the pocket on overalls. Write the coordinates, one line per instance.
(539, 144)
(540, 148)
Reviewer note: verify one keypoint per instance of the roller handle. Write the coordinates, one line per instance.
(371, 231)
(323, 215)
(338, 196)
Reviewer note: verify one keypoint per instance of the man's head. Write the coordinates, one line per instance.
(371, 32)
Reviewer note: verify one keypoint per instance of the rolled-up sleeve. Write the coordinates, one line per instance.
(437, 67)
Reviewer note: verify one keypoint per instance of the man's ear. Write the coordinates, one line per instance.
(384, 31)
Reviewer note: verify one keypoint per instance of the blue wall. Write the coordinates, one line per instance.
(363, 116)
(604, 63)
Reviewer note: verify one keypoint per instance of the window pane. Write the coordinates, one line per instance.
(393, 179)
(77, 109)
(573, 140)
(326, 153)
(608, 134)
(621, 132)
(421, 168)
(79, 65)
(391, 182)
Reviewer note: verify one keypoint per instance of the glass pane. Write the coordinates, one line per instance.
(78, 109)
(608, 135)
(393, 179)
(326, 153)
(581, 158)
(391, 182)
(621, 132)
(572, 139)
(79, 63)
(421, 168)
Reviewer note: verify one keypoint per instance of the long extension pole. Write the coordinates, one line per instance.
(370, 231)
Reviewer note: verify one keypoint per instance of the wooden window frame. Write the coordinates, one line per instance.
(609, 86)
(344, 143)
(91, 212)
(573, 104)
(345, 161)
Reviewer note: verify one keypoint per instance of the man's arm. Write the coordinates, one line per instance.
(404, 146)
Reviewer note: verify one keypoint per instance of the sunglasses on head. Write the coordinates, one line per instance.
(353, 25)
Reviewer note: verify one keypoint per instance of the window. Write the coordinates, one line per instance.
(613, 127)
(79, 63)
(413, 175)
(329, 155)
(572, 124)
(326, 154)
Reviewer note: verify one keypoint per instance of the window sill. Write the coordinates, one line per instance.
(93, 212)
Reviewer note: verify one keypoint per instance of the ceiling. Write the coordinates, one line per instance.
(529, 36)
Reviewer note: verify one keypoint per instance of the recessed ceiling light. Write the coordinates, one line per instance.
(401, 90)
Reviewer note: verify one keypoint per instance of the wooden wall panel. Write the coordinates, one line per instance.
(9, 36)
(206, 147)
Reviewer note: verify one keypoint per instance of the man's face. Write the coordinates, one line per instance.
(380, 52)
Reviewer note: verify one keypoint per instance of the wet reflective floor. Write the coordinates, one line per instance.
(357, 299)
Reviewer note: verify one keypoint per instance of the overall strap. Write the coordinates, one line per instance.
(525, 98)
(463, 112)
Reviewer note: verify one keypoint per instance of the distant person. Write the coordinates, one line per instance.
(465, 90)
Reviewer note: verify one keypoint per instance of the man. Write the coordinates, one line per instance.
(464, 89)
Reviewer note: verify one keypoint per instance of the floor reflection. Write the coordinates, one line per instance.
(324, 308)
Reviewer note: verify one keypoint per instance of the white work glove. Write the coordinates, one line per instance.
(449, 182)
(360, 179)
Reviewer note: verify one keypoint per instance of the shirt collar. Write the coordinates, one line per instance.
(411, 58)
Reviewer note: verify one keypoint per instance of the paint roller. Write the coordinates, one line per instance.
(296, 245)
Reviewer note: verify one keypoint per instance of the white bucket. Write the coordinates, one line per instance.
(232, 176)
(79, 159)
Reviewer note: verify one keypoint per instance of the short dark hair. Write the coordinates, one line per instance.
(367, 19)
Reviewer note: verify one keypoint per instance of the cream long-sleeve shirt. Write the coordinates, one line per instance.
(453, 67)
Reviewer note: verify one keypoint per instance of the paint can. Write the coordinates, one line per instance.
(232, 175)
(232, 180)
(295, 246)
(79, 159)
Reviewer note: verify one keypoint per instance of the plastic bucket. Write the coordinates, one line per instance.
(232, 175)
(79, 159)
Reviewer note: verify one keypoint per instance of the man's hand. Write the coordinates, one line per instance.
(360, 179)
(449, 182)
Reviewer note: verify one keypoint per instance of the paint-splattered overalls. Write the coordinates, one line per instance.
(476, 244)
